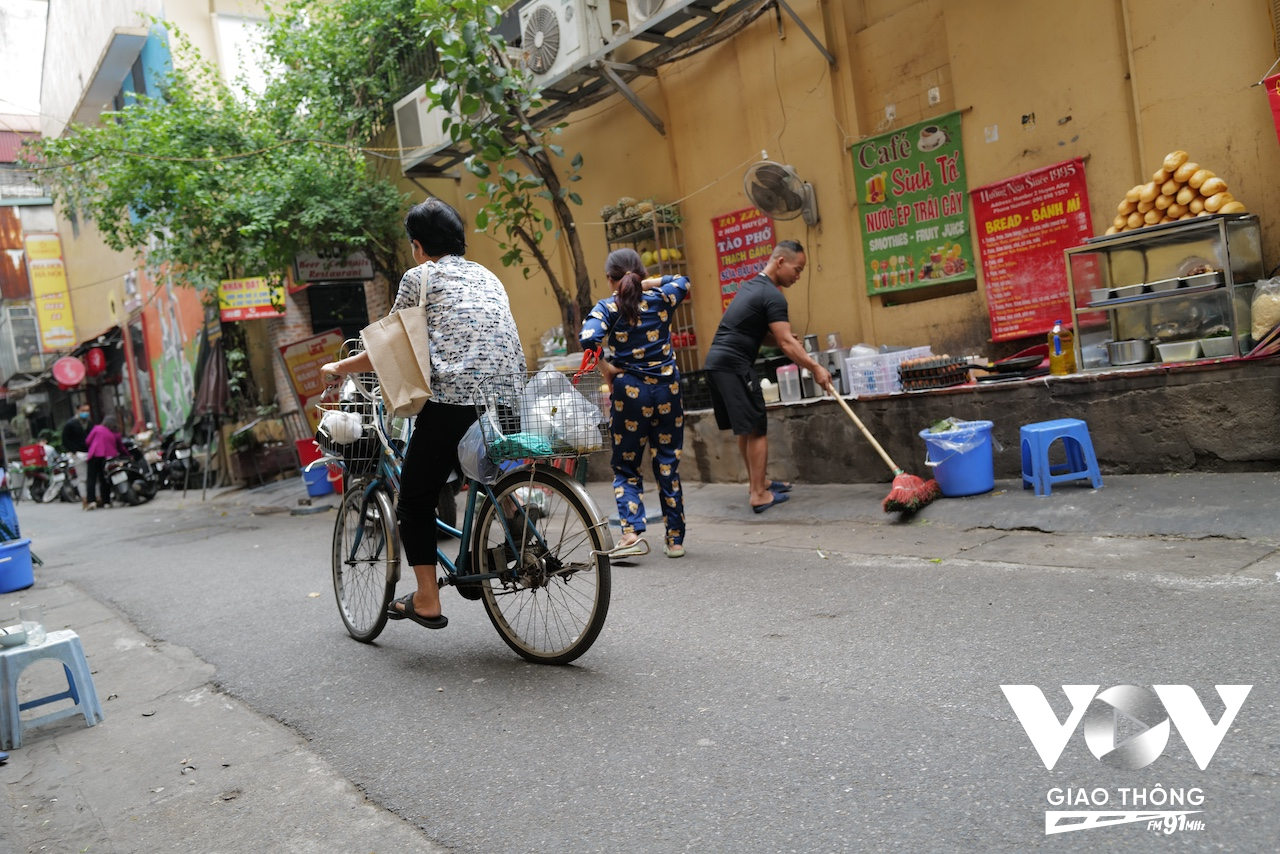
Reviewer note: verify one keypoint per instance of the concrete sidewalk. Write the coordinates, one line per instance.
(179, 766)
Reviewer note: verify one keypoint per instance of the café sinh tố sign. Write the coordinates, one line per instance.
(744, 242)
(49, 292)
(256, 298)
(913, 206)
(1023, 224)
(332, 265)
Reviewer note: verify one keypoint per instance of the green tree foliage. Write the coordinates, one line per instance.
(220, 184)
(345, 63)
(522, 171)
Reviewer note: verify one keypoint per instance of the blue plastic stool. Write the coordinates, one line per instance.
(1081, 462)
(64, 647)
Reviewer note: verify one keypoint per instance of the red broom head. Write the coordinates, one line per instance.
(910, 493)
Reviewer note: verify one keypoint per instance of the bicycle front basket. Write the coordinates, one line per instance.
(542, 415)
(360, 452)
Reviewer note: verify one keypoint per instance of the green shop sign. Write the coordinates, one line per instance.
(914, 205)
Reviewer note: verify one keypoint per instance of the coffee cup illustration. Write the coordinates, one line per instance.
(931, 137)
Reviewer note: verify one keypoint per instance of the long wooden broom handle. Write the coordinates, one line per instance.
(872, 439)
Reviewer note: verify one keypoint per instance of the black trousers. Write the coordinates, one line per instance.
(431, 457)
(96, 481)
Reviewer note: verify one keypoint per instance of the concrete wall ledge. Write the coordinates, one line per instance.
(1215, 417)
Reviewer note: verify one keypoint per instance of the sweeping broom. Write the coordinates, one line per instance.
(909, 493)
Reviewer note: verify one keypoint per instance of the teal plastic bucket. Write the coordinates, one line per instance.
(15, 566)
(961, 458)
(317, 480)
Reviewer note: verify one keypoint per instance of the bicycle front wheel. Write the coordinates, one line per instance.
(366, 559)
(551, 593)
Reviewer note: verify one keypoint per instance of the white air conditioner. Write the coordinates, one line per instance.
(419, 128)
(640, 12)
(557, 35)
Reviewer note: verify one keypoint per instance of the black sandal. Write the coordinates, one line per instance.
(406, 601)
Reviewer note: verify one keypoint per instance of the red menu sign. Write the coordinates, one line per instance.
(744, 242)
(1023, 225)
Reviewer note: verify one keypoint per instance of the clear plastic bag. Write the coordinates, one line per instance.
(473, 456)
(1266, 307)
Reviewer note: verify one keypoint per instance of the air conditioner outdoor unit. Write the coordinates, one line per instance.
(419, 128)
(557, 35)
(640, 12)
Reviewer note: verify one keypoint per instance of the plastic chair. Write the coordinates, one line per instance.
(1081, 462)
(62, 646)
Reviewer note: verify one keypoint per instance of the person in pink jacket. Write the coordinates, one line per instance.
(104, 442)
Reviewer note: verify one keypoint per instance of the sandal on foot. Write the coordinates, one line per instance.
(673, 550)
(406, 603)
(779, 486)
(777, 499)
(637, 549)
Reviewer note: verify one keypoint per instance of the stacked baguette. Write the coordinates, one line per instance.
(1179, 189)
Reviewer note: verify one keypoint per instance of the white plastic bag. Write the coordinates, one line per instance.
(554, 409)
(473, 456)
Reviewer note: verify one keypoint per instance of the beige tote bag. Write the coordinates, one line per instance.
(400, 348)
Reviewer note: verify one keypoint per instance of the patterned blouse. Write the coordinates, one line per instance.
(473, 335)
(644, 348)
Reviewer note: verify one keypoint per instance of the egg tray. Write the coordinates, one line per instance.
(938, 372)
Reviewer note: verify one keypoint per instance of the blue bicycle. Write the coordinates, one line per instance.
(532, 546)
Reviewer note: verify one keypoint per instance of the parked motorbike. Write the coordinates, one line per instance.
(133, 478)
(59, 482)
(178, 464)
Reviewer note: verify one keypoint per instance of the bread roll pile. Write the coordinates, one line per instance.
(1179, 189)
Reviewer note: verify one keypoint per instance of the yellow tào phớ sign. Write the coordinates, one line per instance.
(250, 299)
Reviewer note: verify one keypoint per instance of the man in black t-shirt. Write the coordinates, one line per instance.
(757, 314)
(75, 432)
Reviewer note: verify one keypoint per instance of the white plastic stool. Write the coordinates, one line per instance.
(62, 646)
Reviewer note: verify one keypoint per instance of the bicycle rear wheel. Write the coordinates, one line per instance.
(366, 559)
(551, 595)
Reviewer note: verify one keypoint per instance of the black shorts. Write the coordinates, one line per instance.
(738, 402)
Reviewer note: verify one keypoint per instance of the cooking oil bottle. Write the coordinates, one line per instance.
(1062, 351)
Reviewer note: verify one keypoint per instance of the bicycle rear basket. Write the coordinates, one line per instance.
(360, 448)
(542, 415)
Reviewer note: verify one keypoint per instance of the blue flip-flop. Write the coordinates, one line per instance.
(777, 499)
(778, 486)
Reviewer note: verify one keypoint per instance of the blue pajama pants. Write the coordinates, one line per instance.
(648, 412)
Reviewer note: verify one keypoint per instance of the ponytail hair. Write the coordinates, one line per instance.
(625, 267)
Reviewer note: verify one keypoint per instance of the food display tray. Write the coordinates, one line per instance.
(1195, 289)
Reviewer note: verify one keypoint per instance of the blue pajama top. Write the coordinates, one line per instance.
(645, 347)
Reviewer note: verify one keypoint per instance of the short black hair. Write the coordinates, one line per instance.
(790, 247)
(437, 227)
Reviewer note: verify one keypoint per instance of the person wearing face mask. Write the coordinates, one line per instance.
(757, 314)
(75, 435)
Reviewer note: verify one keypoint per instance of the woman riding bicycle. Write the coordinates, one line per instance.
(473, 335)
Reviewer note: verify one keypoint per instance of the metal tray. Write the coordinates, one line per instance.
(1143, 297)
(1204, 279)
(1128, 291)
(1163, 285)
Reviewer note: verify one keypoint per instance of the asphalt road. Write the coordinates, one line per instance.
(786, 687)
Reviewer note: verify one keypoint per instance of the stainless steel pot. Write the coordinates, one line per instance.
(1133, 351)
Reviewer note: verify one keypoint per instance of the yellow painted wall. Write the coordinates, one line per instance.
(1118, 82)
